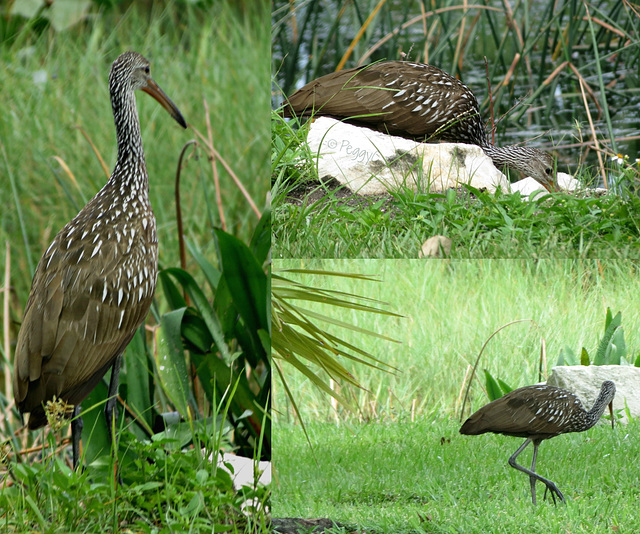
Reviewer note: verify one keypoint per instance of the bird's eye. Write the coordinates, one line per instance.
(146, 69)
(548, 170)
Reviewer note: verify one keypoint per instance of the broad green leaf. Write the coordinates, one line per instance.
(210, 272)
(607, 319)
(261, 239)
(203, 306)
(136, 380)
(95, 442)
(171, 292)
(567, 356)
(493, 389)
(245, 279)
(612, 325)
(195, 332)
(170, 361)
(506, 388)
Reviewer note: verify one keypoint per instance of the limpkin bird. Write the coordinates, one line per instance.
(94, 285)
(417, 101)
(538, 413)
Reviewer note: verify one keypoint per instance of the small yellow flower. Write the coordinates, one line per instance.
(58, 413)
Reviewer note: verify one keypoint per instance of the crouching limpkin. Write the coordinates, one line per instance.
(537, 413)
(94, 284)
(416, 101)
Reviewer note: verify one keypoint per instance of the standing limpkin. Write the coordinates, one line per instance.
(537, 413)
(94, 284)
(417, 101)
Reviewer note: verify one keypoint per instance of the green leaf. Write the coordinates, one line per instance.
(170, 361)
(493, 389)
(95, 441)
(506, 388)
(195, 332)
(246, 280)
(607, 319)
(136, 379)
(584, 357)
(637, 362)
(604, 350)
(171, 292)
(567, 356)
(203, 306)
(210, 272)
(261, 239)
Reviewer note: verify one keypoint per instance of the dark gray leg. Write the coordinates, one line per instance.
(76, 434)
(109, 412)
(532, 480)
(550, 485)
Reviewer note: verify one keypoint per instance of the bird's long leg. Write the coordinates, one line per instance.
(109, 412)
(532, 479)
(512, 462)
(76, 434)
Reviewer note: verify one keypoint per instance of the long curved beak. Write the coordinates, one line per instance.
(154, 90)
(611, 412)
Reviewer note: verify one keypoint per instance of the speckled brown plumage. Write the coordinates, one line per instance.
(417, 101)
(94, 284)
(537, 413)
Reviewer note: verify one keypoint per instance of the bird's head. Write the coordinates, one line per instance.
(130, 72)
(541, 166)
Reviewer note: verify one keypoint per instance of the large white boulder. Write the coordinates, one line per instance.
(585, 382)
(371, 163)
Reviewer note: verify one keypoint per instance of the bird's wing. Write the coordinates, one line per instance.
(76, 320)
(400, 97)
(538, 414)
(529, 411)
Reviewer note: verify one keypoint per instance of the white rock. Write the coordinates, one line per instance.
(585, 382)
(564, 181)
(243, 470)
(370, 162)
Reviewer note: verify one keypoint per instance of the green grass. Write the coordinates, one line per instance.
(397, 463)
(450, 309)
(481, 225)
(423, 476)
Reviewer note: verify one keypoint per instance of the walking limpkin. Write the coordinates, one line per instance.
(93, 286)
(538, 413)
(417, 101)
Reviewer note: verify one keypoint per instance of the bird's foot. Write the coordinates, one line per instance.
(553, 490)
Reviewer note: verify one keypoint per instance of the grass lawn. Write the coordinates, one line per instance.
(406, 477)
(398, 464)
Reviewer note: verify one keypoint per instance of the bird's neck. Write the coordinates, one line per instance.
(130, 172)
(125, 115)
(498, 155)
(506, 156)
(603, 400)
